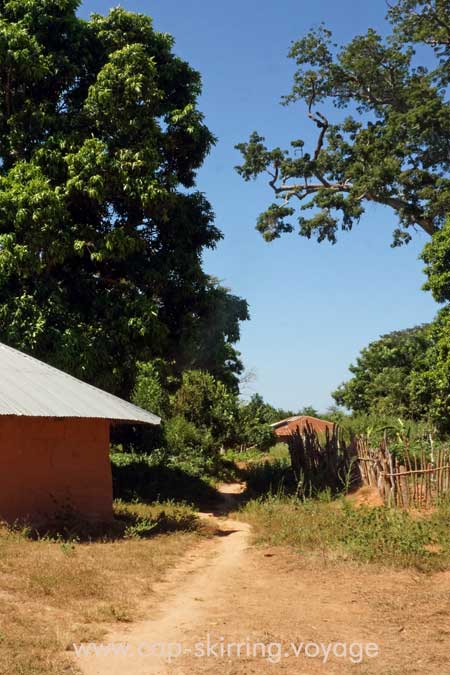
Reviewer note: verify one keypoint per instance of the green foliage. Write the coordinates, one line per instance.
(405, 374)
(253, 454)
(268, 414)
(255, 418)
(102, 230)
(192, 449)
(379, 535)
(436, 255)
(279, 451)
(259, 435)
(424, 21)
(258, 408)
(208, 405)
(212, 333)
(270, 477)
(309, 410)
(148, 390)
(431, 384)
(392, 147)
(141, 477)
(398, 431)
(384, 376)
(335, 414)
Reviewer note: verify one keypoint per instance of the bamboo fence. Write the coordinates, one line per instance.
(415, 481)
(329, 462)
(323, 461)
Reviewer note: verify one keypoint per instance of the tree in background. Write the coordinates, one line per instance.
(383, 376)
(259, 409)
(430, 384)
(211, 331)
(101, 228)
(149, 392)
(309, 411)
(394, 149)
(255, 418)
(207, 404)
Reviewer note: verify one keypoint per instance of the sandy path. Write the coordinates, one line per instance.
(235, 592)
(184, 599)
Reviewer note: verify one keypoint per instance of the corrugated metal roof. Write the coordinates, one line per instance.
(31, 388)
(286, 421)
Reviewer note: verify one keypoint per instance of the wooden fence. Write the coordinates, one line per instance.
(328, 461)
(322, 461)
(412, 482)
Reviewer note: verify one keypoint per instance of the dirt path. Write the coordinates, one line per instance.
(184, 598)
(237, 593)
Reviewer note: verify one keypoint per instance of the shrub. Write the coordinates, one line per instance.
(208, 405)
(148, 391)
(182, 436)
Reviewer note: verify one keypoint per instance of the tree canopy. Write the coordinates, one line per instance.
(384, 374)
(392, 144)
(101, 226)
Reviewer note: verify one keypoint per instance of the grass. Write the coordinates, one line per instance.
(61, 587)
(269, 477)
(278, 451)
(248, 455)
(336, 529)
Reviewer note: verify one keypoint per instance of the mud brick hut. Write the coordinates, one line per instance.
(285, 428)
(54, 441)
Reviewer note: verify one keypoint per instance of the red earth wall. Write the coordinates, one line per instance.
(49, 464)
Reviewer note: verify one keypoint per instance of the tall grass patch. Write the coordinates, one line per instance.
(337, 529)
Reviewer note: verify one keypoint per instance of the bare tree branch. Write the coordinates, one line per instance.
(302, 191)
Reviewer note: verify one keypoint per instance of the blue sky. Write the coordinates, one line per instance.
(313, 306)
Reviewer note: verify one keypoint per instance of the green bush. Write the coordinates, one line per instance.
(183, 436)
(255, 417)
(148, 392)
(208, 405)
(190, 448)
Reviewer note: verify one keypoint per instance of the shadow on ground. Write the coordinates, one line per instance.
(140, 481)
(69, 526)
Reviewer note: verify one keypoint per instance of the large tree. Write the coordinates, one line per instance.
(391, 147)
(101, 227)
(211, 333)
(386, 374)
(404, 374)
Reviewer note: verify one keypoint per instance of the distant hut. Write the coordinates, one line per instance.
(285, 428)
(54, 440)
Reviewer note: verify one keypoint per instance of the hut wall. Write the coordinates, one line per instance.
(48, 465)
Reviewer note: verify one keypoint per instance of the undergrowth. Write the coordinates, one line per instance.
(336, 528)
